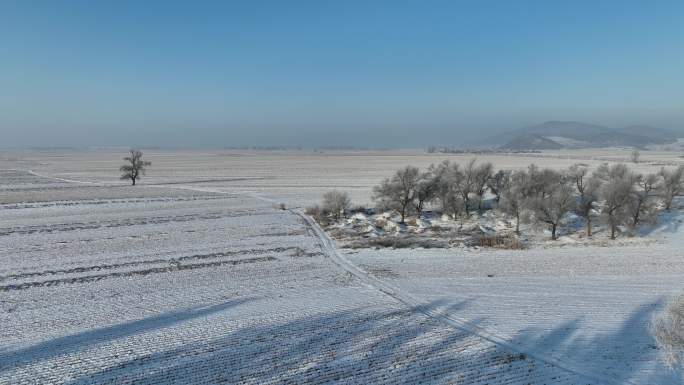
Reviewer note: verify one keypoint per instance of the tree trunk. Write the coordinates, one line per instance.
(517, 224)
(588, 225)
(553, 231)
(635, 217)
(133, 178)
(612, 231)
(403, 214)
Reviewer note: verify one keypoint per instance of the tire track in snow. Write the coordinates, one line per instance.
(63, 179)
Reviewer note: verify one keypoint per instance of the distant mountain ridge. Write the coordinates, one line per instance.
(554, 135)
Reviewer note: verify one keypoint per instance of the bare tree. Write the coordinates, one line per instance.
(616, 193)
(540, 183)
(427, 188)
(134, 167)
(588, 193)
(557, 200)
(641, 204)
(668, 330)
(672, 184)
(483, 173)
(513, 197)
(467, 184)
(336, 203)
(498, 183)
(448, 189)
(398, 192)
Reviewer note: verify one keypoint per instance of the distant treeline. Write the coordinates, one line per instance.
(453, 150)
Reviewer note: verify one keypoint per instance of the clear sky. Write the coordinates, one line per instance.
(377, 73)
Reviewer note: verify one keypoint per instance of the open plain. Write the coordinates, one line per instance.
(197, 275)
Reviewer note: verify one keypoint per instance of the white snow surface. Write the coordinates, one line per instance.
(589, 307)
(193, 283)
(211, 288)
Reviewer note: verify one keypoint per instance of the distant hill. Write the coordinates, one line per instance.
(553, 135)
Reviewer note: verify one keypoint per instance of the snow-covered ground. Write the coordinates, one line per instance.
(191, 280)
(590, 307)
(298, 178)
(207, 288)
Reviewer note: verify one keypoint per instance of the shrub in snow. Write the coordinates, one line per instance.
(313, 211)
(499, 242)
(668, 330)
(336, 203)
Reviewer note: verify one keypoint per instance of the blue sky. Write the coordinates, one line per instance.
(381, 73)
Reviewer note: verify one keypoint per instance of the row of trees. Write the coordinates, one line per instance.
(619, 195)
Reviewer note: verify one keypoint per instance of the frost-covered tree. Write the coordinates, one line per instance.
(540, 183)
(467, 183)
(498, 183)
(427, 188)
(668, 330)
(556, 200)
(134, 167)
(513, 197)
(587, 188)
(448, 190)
(481, 177)
(398, 192)
(616, 193)
(336, 203)
(672, 184)
(641, 205)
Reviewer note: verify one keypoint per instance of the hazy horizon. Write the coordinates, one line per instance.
(316, 74)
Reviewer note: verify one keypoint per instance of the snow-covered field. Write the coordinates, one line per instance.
(193, 277)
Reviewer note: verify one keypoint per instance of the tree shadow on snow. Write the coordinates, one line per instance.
(628, 354)
(363, 345)
(76, 342)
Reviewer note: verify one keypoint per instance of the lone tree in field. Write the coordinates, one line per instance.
(336, 203)
(399, 192)
(134, 167)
